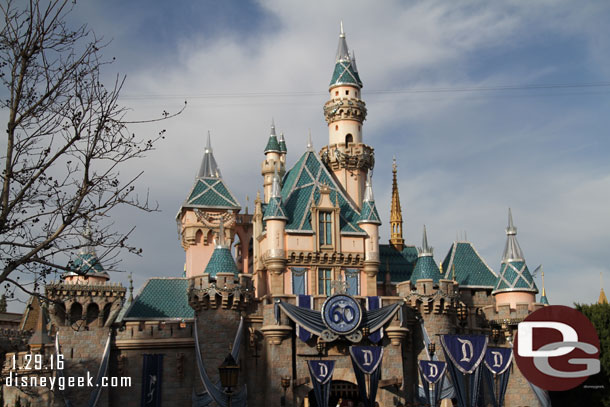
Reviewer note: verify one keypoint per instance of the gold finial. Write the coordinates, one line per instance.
(440, 267)
(543, 290)
(396, 239)
(602, 295)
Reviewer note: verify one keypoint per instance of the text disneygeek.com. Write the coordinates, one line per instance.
(30, 364)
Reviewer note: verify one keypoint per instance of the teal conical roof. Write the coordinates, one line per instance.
(345, 72)
(369, 212)
(275, 208)
(272, 144)
(221, 262)
(282, 143)
(86, 262)
(514, 274)
(210, 190)
(426, 267)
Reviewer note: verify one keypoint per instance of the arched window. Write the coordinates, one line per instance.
(92, 312)
(76, 312)
(348, 139)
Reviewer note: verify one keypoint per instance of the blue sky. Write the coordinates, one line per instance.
(432, 72)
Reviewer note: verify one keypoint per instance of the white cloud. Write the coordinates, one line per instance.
(461, 162)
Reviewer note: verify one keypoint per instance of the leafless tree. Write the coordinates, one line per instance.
(66, 142)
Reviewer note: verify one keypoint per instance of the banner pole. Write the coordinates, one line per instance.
(497, 386)
(467, 390)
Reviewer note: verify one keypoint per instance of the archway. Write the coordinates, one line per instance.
(339, 390)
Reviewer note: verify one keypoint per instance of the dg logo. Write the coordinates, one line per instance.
(557, 348)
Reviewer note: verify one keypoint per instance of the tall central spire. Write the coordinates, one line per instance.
(396, 239)
(346, 156)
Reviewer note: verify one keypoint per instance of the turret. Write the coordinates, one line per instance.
(396, 239)
(209, 204)
(275, 159)
(275, 218)
(86, 268)
(369, 221)
(346, 156)
(425, 268)
(515, 284)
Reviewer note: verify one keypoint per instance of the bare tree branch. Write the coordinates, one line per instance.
(66, 142)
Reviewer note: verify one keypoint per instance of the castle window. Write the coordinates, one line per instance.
(324, 279)
(347, 92)
(351, 278)
(325, 230)
(336, 127)
(299, 279)
(336, 93)
(348, 139)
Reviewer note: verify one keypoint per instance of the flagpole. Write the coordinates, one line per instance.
(497, 390)
(432, 400)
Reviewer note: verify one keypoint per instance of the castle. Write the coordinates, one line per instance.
(314, 232)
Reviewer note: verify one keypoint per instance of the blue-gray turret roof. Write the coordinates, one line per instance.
(514, 274)
(425, 268)
(86, 262)
(282, 143)
(345, 72)
(210, 190)
(369, 212)
(273, 144)
(221, 262)
(275, 208)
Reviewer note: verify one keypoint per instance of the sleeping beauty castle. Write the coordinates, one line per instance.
(299, 303)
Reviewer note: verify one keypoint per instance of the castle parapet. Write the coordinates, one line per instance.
(223, 289)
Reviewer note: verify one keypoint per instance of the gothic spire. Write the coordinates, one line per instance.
(425, 249)
(345, 72)
(396, 238)
(369, 212)
(512, 251)
(209, 168)
(514, 274)
(273, 145)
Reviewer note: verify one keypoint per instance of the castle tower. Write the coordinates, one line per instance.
(209, 204)
(86, 268)
(275, 160)
(346, 156)
(425, 268)
(275, 217)
(369, 221)
(515, 284)
(396, 239)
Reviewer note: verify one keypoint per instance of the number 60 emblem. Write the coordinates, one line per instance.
(341, 314)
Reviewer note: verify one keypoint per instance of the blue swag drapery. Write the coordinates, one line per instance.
(311, 320)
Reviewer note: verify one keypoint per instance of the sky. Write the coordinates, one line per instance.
(485, 106)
